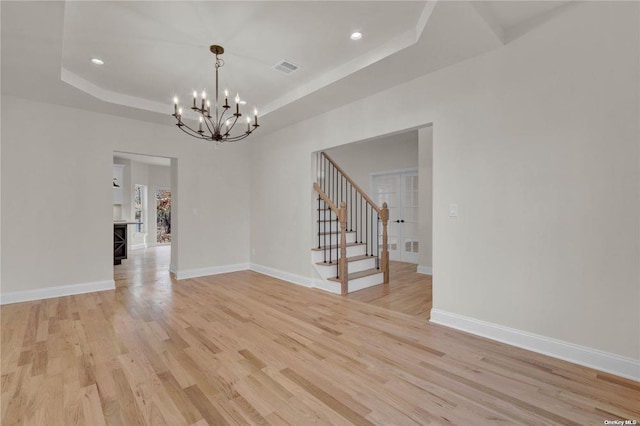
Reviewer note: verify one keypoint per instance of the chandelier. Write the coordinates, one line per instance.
(216, 125)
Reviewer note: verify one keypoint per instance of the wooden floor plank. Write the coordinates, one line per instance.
(244, 348)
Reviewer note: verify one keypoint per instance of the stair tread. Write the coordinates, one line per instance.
(350, 259)
(361, 274)
(336, 246)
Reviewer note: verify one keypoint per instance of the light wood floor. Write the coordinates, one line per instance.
(244, 348)
(143, 267)
(407, 292)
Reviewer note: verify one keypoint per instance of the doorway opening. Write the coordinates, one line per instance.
(397, 169)
(142, 205)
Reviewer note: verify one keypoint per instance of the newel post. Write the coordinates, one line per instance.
(342, 217)
(384, 217)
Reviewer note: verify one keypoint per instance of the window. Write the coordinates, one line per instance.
(163, 216)
(140, 207)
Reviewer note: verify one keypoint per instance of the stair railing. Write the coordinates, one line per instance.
(342, 270)
(369, 220)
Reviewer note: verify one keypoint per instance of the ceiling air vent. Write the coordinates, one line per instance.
(286, 67)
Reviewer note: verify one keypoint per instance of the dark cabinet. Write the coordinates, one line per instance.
(119, 242)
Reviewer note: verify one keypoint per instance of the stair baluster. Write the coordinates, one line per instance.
(335, 188)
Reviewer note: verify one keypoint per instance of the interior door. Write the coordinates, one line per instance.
(400, 192)
(409, 244)
(386, 189)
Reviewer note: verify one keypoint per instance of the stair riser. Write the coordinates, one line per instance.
(330, 271)
(318, 256)
(354, 285)
(364, 282)
(362, 265)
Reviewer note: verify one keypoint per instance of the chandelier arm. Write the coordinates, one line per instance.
(244, 134)
(237, 138)
(224, 119)
(207, 120)
(192, 132)
(234, 123)
(182, 124)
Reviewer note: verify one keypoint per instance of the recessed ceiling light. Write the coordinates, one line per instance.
(356, 35)
(97, 61)
(243, 102)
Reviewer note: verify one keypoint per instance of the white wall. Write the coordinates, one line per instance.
(537, 143)
(160, 176)
(54, 183)
(388, 153)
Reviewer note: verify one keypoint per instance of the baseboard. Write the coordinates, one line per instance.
(582, 355)
(282, 275)
(58, 291)
(213, 270)
(427, 270)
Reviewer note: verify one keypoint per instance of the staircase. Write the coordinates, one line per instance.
(351, 252)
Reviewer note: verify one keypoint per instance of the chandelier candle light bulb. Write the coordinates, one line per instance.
(214, 123)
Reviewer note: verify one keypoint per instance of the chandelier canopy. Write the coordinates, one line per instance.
(219, 125)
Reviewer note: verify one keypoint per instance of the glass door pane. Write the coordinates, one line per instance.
(400, 192)
(163, 216)
(386, 189)
(410, 244)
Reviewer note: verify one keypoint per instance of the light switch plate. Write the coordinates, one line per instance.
(453, 210)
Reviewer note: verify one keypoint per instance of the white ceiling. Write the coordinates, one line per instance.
(154, 50)
(509, 14)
